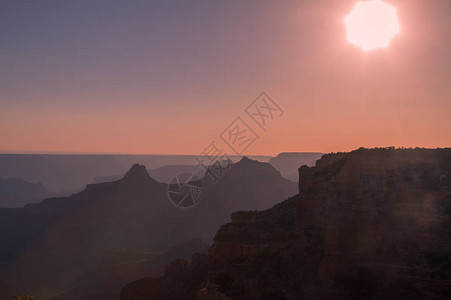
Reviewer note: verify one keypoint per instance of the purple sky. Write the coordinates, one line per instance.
(169, 76)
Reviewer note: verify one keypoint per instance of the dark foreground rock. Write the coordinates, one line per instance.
(370, 224)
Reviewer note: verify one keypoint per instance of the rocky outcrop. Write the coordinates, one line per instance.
(370, 224)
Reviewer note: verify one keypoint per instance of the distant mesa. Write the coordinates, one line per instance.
(65, 174)
(18, 193)
(288, 162)
(163, 174)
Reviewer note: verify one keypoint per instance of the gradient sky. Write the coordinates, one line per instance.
(167, 77)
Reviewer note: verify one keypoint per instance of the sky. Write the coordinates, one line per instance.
(168, 77)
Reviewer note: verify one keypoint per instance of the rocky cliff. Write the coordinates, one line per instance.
(370, 224)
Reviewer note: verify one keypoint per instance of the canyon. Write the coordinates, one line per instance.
(369, 224)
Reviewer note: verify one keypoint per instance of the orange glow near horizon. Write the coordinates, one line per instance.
(172, 83)
(372, 24)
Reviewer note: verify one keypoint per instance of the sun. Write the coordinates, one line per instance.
(372, 24)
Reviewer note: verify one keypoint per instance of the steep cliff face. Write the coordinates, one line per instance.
(384, 216)
(370, 224)
(388, 208)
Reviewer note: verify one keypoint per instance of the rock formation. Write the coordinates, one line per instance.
(370, 224)
(60, 247)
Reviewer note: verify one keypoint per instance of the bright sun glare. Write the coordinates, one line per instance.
(372, 24)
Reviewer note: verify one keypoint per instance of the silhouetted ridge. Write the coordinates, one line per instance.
(69, 237)
(245, 159)
(247, 166)
(137, 173)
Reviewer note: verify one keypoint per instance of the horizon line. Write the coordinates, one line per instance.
(21, 152)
